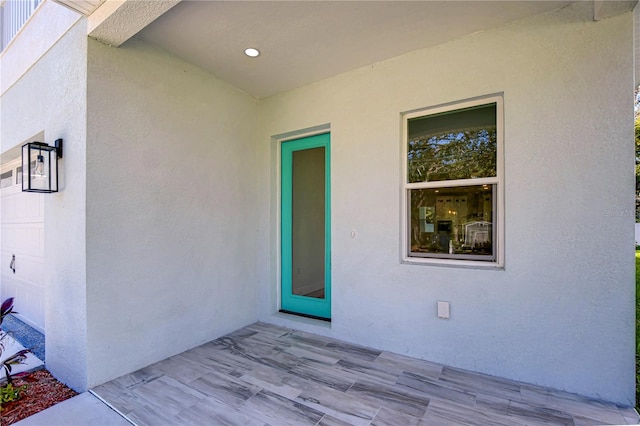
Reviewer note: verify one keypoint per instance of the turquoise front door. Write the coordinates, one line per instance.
(306, 225)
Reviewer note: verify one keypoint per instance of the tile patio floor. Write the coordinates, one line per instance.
(268, 375)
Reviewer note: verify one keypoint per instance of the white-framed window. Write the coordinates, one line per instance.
(10, 172)
(452, 189)
(6, 179)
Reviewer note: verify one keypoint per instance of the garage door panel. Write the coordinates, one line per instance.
(22, 207)
(8, 289)
(34, 241)
(35, 273)
(34, 206)
(28, 303)
(23, 238)
(29, 269)
(19, 208)
(22, 235)
(5, 258)
(8, 238)
(10, 201)
(25, 286)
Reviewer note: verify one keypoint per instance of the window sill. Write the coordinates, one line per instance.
(454, 263)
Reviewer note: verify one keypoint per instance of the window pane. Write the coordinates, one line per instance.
(459, 144)
(6, 179)
(452, 222)
(308, 223)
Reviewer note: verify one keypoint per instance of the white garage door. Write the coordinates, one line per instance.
(22, 236)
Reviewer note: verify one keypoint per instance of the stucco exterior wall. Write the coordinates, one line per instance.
(45, 27)
(561, 312)
(171, 208)
(165, 232)
(50, 98)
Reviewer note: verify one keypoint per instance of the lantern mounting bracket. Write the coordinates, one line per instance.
(58, 145)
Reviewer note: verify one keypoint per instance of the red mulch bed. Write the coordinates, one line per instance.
(43, 391)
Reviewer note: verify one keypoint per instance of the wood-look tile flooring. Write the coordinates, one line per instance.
(268, 375)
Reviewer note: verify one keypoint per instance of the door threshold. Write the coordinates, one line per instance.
(284, 311)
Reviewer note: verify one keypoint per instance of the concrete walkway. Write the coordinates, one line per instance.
(81, 410)
(84, 409)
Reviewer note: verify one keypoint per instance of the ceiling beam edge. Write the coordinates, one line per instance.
(603, 9)
(597, 8)
(115, 22)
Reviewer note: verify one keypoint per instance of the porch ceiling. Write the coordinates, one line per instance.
(306, 41)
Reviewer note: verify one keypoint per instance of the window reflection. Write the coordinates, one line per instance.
(453, 222)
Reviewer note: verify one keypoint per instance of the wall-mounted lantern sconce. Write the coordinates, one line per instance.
(40, 166)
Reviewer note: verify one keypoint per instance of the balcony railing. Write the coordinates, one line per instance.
(13, 15)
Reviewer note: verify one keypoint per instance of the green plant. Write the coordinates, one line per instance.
(6, 309)
(8, 393)
(7, 363)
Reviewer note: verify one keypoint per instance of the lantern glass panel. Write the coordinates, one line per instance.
(39, 168)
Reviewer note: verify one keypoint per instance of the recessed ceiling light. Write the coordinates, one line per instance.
(251, 52)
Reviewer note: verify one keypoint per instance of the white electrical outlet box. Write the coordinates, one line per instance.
(443, 310)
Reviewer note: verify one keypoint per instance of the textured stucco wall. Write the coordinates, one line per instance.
(171, 217)
(180, 195)
(561, 313)
(50, 98)
(44, 28)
